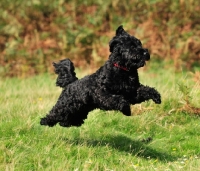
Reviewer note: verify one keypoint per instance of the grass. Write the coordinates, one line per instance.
(107, 140)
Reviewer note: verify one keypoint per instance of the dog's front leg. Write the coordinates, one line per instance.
(119, 103)
(145, 93)
(108, 101)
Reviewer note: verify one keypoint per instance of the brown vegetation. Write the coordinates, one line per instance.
(35, 33)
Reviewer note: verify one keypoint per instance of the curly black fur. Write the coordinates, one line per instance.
(113, 86)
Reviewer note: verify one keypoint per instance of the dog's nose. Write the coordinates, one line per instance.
(146, 55)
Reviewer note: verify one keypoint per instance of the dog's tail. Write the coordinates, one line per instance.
(65, 71)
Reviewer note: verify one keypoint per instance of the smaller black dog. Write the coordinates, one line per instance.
(114, 86)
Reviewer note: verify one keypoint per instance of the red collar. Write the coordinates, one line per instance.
(121, 67)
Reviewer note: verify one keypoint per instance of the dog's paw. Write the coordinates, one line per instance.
(156, 97)
(147, 93)
(48, 122)
(125, 109)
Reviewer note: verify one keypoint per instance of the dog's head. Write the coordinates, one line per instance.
(127, 51)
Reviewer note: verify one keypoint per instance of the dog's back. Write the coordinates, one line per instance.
(65, 71)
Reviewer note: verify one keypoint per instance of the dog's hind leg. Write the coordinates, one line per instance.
(75, 119)
(51, 119)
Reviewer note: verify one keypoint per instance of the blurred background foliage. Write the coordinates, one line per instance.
(33, 33)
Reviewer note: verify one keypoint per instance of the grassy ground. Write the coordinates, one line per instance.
(107, 140)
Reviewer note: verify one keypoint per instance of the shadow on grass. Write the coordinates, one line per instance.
(125, 144)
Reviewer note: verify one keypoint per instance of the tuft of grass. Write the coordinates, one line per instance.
(107, 140)
(187, 104)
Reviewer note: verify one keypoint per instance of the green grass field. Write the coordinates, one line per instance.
(107, 140)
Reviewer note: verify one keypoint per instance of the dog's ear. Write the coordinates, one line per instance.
(113, 43)
(120, 31)
(117, 40)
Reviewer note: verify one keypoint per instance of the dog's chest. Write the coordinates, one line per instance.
(124, 85)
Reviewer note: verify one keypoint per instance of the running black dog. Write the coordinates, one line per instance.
(114, 86)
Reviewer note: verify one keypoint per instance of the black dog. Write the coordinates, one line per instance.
(114, 86)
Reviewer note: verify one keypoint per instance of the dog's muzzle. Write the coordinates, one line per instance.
(146, 55)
